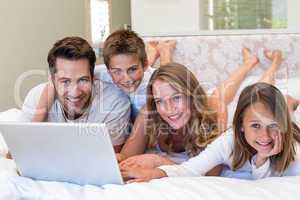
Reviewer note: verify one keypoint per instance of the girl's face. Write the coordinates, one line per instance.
(260, 128)
(172, 106)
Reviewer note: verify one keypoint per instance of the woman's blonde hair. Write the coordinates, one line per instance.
(202, 126)
(271, 97)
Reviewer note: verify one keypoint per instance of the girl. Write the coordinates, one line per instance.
(263, 141)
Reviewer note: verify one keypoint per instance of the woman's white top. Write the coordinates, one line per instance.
(219, 152)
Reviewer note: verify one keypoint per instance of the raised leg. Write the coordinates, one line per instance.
(166, 49)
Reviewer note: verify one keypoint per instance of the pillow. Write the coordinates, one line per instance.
(12, 115)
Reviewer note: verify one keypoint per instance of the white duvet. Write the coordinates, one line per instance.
(208, 188)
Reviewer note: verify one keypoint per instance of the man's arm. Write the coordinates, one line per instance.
(117, 119)
(31, 102)
(44, 104)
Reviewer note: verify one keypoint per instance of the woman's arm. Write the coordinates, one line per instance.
(138, 140)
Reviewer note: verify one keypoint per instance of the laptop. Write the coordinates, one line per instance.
(76, 153)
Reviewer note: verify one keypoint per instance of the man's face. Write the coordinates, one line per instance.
(73, 84)
(126, 71)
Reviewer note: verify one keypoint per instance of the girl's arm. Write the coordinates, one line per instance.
(218, 152)
(45, 102)
(137, 141)
(146, 161)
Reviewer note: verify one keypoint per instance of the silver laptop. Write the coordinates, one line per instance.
(75, 153)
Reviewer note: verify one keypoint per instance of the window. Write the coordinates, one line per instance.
(246, 14)
(99, 20)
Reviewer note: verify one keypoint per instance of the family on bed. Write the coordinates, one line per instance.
(161, 121)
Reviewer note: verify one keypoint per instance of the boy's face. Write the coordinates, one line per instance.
(73, 85)
(126, 71)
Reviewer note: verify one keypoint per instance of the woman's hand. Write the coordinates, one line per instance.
(138, 174)
(262, 157)
(145, 161)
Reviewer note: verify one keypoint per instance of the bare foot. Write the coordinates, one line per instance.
(152, 52)
(166, 49)
(275, 56)
(249, 59)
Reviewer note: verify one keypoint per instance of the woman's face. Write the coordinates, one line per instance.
(260, 128)
(172, 106)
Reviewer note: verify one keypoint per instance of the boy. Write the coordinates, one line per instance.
(128, 65)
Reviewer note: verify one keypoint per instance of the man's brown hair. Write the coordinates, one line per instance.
(71, 48)
(124, 42)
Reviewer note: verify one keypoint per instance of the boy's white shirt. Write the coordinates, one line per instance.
(138, 97)
(219, 152)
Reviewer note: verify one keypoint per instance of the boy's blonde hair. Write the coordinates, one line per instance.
(271, 97)
(201, 128)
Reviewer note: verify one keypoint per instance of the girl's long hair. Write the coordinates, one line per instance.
(271, 97)
(202, 127)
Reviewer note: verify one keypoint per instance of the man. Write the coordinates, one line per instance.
(75, 96)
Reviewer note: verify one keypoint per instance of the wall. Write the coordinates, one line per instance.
(181, 17)
(28, 30)
(120, 14)
(293, 15)
(167, 16)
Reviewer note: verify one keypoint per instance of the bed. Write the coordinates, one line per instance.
(15, 187)
(216, 57)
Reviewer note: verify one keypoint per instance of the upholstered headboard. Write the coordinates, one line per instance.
(212, 58)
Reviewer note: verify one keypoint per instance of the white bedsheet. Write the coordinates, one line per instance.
(206, 188)
(10, 115)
